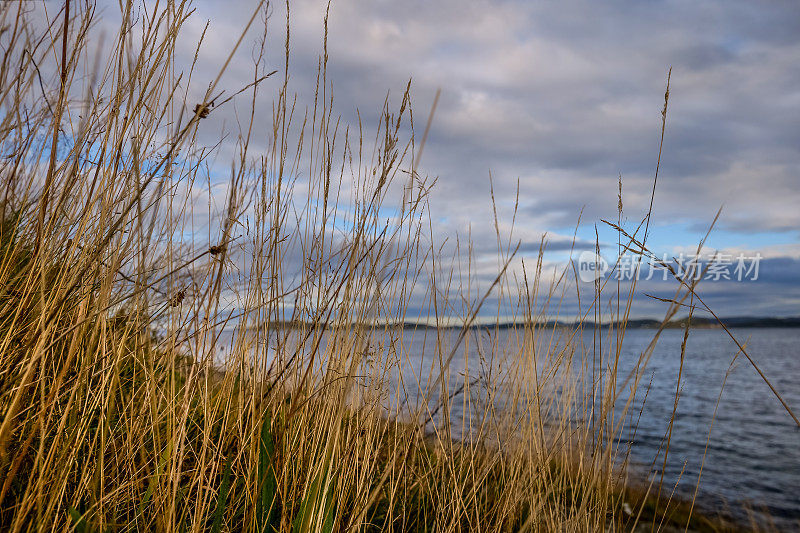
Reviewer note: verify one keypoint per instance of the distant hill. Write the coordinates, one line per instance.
(648, 323)
(641, 323)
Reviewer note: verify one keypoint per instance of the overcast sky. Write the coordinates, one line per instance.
(564, 97)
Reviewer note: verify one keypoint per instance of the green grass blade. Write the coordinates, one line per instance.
(265, 505)
(222, 497)
(162, 462)
(81, 526)
(312, 501)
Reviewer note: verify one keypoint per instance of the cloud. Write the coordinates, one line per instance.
(556, 100)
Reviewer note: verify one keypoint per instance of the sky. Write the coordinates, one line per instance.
(559, 100)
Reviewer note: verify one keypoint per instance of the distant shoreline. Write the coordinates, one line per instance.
(647, 323)
(643, 323)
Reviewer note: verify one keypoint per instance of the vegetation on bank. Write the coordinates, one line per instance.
(118, 411)
(150, 439)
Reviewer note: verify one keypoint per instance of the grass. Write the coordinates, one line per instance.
(117, 412)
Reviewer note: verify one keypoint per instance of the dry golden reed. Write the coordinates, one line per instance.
(173, 362)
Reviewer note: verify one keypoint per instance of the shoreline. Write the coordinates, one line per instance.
(644, 323)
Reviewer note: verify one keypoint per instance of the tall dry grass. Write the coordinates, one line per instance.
(119, 289)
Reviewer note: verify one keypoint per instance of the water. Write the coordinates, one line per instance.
(754, 449)
(753, 454)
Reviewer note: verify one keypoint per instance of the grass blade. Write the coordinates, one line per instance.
(265, 505)
(222, 497)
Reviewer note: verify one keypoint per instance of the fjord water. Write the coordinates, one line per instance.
(753, 453)
(752, 456)
(751, 444)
